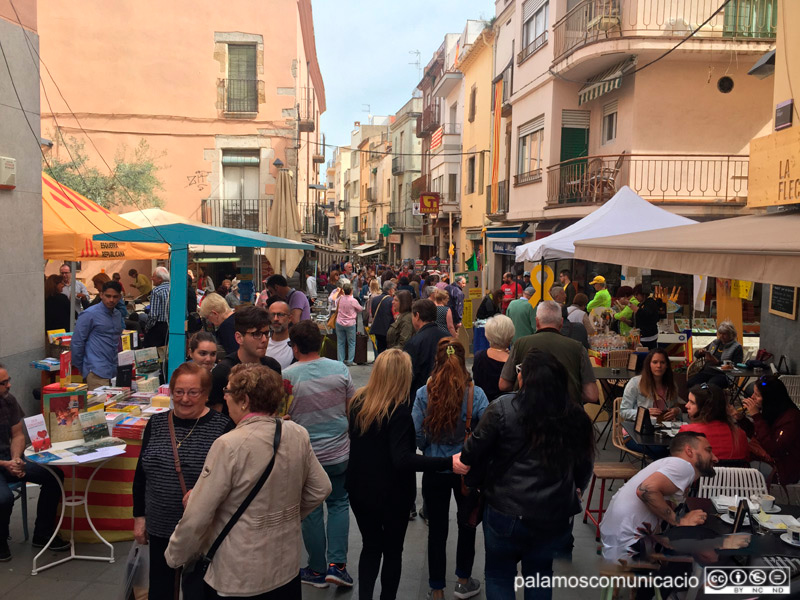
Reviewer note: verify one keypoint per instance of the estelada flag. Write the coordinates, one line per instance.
(69, 220)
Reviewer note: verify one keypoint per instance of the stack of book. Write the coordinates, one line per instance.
(46, 364)
(130, 428)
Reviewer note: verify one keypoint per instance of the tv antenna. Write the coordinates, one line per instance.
(417, 63)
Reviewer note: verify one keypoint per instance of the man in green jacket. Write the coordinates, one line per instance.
(602, 298)
(522, 314)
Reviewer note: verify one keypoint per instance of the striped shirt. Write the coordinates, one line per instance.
(321, 389)
(159, 303)
(157, 490)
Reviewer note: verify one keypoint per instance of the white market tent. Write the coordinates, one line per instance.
(626, 212)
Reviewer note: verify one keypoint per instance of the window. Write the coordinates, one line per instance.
(472, 103)
(470, 175)
(241, 86)
(481, 169)
(535, 17)
(529, 154)
(609, 123)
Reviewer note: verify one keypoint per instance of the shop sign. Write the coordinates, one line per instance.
(394, 238)
(774, 169)
(419, 266)
(429, 203)
(507, 248)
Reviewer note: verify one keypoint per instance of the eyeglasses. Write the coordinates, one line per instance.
(257, 335)
(519, 368)
(703, 386)
(193, 394)
(290, 343)
(5, 381)
(230, 391)
(279, 315)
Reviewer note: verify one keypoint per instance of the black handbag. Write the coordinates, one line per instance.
(195, 571)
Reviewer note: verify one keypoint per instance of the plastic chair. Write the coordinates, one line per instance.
(792, 383)
(732, 481)
(19, 491)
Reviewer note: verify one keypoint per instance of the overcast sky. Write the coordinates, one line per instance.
(363, 51)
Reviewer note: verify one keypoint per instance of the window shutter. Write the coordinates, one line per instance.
(530, 7)
(610, 108)
(531, 126)
(575, 119)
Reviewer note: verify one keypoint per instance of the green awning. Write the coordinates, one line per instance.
(608, 80)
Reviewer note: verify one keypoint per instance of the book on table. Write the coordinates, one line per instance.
(93, 425)
(37, 432)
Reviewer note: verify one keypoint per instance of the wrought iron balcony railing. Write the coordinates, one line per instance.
(241, 95)
(249, 214)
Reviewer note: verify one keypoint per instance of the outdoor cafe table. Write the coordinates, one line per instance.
(653, 440)
(743, 376)
(762, 545)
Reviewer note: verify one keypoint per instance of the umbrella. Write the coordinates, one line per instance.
(284, 222)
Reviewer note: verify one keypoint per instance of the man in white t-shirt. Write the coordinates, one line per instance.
(652, 495)
(278, 347)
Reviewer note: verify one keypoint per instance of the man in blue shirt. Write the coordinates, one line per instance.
(95, 341)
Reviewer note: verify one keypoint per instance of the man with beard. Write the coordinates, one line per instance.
(278, 347)
(652, 495)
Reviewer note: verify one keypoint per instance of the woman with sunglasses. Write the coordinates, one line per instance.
(708, 414)
(158, 497)
(776, 426)
(440, 415)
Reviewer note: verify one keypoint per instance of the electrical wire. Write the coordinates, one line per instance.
(652, 62)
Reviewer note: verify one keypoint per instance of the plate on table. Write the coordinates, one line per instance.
(774, 510)
(721, 503)
(777, 522)
(726, 518)
(787, 537)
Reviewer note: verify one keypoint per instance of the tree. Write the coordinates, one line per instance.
(131, 183)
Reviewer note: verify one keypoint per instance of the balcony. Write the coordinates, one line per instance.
(240, 95)
(533, 176)
(447, 136)
(449, 202)
(371, 195)
(307, 110)
(346, 178)
(500, 208)
(599, 20)
(404, 220)
(397, 165)
(249, 214)
(430, 119)
(661, 178)
(531, 48)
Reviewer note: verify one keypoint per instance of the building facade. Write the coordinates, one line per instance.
(21, 280)
(404, 220)
(238, 97)
(591, 101)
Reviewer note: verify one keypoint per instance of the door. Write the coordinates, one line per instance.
(574, 145)
(241, 204)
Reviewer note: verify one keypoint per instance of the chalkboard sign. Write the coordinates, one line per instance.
(783, 301)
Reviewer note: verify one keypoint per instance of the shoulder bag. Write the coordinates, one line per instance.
(195, 571)
(472, 508)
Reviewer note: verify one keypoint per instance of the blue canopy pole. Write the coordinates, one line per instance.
(178, 266)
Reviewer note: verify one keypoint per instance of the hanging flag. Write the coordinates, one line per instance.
(699, 288)
(472, 262)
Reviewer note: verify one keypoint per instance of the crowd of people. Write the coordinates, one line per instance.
(264, 431)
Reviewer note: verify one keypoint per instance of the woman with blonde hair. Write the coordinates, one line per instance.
(440, 420)
(444, 316)
(488, 364)
(380, 474)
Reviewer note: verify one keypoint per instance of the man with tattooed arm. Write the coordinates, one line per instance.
(652, 495)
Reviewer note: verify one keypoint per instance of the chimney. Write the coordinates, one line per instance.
(357, 124)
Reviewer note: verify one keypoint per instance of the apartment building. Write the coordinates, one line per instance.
(591, 101)
(225, 93)
(475, 62)
(405, 221)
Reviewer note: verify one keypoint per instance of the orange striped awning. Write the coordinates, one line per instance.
(69, 220)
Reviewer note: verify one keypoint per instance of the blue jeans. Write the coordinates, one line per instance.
(508, 540)
(346, 335)
(338, 528)
(46, 508)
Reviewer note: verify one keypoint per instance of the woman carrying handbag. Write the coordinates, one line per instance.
(250, 532)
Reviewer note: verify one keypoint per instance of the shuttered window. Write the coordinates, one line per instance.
(529, 151)
(575, 119)
(242, 83)
(531, 126)
(609, 122)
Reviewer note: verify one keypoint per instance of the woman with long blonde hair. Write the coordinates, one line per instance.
(380, 473)
(440, 420)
